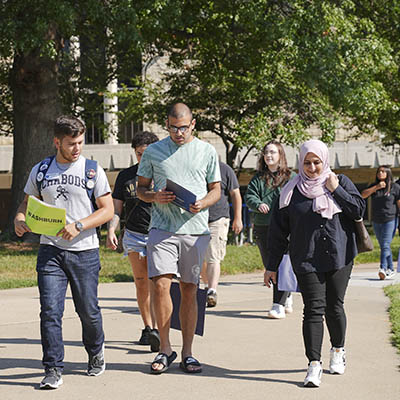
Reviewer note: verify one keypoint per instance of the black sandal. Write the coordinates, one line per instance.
(163, 359)
(190, 361)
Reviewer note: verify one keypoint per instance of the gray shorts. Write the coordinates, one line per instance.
(180, 255)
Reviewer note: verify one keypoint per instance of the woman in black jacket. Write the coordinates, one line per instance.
(317, 210)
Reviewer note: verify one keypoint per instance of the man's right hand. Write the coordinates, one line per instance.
(21, 227)
(163, 197)
(112, 241)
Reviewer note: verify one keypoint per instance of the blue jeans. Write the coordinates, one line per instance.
(55, 268)
(385, 233)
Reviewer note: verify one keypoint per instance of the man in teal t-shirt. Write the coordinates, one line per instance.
(178, 238)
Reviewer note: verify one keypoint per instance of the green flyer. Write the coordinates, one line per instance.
(44, 218)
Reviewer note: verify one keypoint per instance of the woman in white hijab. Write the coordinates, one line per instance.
(317, 210)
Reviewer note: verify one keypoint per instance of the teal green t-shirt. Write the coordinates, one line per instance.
(193, 165)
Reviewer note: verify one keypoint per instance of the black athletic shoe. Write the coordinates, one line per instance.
(144, 339)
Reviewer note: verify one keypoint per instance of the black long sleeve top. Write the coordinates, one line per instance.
(316, 244)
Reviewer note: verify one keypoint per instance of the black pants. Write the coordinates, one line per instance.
(261, 235)
(323, 294)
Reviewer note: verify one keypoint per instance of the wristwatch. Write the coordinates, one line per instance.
(79, 226)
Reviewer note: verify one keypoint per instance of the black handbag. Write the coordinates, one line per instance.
(364, 242)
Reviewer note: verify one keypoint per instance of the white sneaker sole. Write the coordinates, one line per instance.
(336, 371)
(275, 316)
(99, 373)
(47, 386)
(312, 384)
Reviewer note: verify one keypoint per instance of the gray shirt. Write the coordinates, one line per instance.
(64, 187)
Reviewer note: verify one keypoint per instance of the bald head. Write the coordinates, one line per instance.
(180, 110)
(180, 124)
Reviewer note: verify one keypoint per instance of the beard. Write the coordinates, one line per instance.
(67, 156)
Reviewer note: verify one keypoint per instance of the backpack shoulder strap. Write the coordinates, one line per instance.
(90, 176)
(42, 171)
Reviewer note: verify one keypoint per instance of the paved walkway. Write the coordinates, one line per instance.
(244, 355)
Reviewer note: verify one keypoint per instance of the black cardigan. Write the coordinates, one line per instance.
(316, 244)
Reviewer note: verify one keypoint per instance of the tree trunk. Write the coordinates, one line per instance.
(36, 105)
(231, 153)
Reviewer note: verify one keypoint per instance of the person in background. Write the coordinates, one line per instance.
(218, 223)
(317, 210)
(262, 193)
(385, 201)
(137, 219)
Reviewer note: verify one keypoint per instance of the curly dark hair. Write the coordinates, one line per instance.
(282, 175)
(143, 138)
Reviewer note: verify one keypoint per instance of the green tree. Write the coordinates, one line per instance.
(257, 70)
(385, 15)
(45, 77)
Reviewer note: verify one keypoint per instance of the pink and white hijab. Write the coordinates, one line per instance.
(323, 202)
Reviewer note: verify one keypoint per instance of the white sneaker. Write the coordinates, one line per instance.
(337, 363)
(382, 274)
(314, 373)
(389, 273)
(276, 312)
(289, 305)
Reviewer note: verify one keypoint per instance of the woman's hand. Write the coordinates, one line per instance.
(380, 185)
(263, 208)
(332, 182)
(112, 241)
(269, 278)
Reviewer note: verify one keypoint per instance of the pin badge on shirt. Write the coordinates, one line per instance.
(91, 173)
(40, 177)
(90, 184)
(52, 176)
(44, 167)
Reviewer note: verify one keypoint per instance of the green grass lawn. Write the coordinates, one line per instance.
(393, 292)
(18, 261)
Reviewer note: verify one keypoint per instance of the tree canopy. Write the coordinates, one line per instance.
(251, 70)
(46, 75)
(257, 70)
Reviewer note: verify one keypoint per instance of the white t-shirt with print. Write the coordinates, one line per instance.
(64, 186)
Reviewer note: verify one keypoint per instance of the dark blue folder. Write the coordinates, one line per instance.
(184, 198)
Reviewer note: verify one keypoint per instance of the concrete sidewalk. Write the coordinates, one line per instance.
(244, 355)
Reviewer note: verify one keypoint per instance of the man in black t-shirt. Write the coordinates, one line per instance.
(218, 223)
(137, 220)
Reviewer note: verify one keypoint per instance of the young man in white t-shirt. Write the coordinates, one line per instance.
(73, 255)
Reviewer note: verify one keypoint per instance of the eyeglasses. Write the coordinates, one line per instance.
(180, 129)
